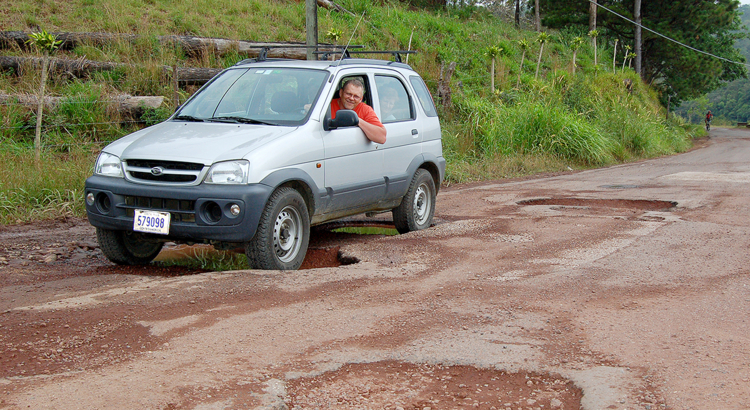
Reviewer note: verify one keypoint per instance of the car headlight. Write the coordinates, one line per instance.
(108, 165)
(229, 172)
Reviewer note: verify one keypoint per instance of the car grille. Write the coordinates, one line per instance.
(181, 210)
(163, 171)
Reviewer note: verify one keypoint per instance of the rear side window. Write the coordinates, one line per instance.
(423, 94)
(394, 101)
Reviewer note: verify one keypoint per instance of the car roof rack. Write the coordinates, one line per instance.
(264, 49)
(324, 54)
(347, 53)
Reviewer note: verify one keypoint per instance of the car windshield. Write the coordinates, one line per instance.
(271, 96)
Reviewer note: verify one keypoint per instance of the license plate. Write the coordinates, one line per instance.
(151, 221)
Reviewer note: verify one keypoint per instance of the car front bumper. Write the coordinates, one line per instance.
(198, 213)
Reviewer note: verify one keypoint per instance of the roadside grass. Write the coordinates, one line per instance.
(54, 189)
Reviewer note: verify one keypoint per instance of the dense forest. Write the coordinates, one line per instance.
(730, 103)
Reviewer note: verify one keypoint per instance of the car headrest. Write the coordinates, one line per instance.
(285, 102)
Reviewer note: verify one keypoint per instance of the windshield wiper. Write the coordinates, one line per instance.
(242, 120)
(188, 118)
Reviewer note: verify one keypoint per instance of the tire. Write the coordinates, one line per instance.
(283, 233)
(418, 205)
(127, 248)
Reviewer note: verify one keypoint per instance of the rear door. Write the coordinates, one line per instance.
(397, 110)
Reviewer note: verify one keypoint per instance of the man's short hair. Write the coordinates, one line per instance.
(355, 82)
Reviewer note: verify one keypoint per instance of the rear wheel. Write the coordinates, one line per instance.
(418, 205)
(126, 247)
(280, 242)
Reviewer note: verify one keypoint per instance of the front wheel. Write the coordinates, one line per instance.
(280, 242)
(126, 247)
(418, 205)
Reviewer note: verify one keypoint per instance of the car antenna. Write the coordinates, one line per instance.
(343, 53)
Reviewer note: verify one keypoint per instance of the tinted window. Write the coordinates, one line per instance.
(423, 94)
(394, 101)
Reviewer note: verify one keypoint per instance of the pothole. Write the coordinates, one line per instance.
(326, 258)
(392, 385)
(359, 227)
(617, 186)
(324, 250)
(639, 204)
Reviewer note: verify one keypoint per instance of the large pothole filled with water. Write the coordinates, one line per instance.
(394, 385)
(636, 204)
(324, 250)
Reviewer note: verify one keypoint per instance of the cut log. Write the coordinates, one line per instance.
(190, 44)
(77, 68)
(81, 68)
(126, 104)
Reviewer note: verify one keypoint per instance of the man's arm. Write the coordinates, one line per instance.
(370, 124)
(373, 132)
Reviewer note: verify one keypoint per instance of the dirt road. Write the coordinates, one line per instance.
(617, 288)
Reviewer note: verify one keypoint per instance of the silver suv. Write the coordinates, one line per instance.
(254, 159)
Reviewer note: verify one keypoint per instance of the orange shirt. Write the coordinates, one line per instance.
(364, 112)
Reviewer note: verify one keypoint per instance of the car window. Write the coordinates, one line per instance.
(275, 96)
(395, 104)
(423, 95)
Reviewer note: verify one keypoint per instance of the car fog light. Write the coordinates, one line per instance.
(90, 199)
(234, 209)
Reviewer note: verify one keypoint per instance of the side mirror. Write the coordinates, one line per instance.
(344, 118)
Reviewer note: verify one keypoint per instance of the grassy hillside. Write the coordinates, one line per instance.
(529, 123)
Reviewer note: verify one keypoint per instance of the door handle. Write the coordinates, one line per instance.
(414, 132)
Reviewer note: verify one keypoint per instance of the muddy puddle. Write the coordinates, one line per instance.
(394, 385)
(323, 252)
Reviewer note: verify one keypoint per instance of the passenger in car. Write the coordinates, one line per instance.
(388, 101)
(351, 95)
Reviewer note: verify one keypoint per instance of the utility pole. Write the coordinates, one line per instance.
(638, 39)
(311, 26)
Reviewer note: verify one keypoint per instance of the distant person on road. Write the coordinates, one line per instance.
(709, 117)
(350, 98)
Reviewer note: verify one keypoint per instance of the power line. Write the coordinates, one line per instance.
(668, 38)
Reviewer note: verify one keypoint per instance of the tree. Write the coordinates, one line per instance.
(625, 53)
(710, 26)
(493, 52)
(614, 56)
(524, 45)
(537, 16)
(47, 44)
(594, 34)
(541, 39)
(592, 15)
(578, 42)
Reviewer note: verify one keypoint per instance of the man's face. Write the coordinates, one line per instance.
(351, 95)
